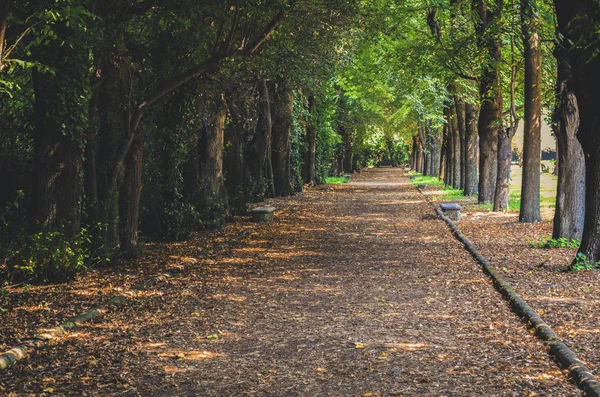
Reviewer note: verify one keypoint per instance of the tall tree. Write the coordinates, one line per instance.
(489, 35)
(578, 21)
(282, 110)
(532, 143)
(570, 193)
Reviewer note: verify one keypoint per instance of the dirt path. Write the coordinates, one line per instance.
(355, 290)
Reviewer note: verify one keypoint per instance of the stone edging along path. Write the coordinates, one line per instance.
(564, 357)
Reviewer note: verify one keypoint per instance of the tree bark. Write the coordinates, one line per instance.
(311, 141)
(570, 161)
(444, 154)
(235, 165)
(348, 150)
(461, 118)
(57, 162)
(413, 157)
(472, 113)
(575, 17)
(282, 110)
(129, 199)
(457, 155)
(502, 194)
(532, 141)
(60, 127)
(212, 111)
(264, 129)
(450, 148)
(114, 105)
(490, 93)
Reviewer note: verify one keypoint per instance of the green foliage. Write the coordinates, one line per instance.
(300, 118)
(581, 262)
(555, 243)
(337, 180)
(50, 256)
(426, 180)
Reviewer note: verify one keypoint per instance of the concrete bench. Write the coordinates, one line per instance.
(451, 210)
(421, 186)
(262, 214)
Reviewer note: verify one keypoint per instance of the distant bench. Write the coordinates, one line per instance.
(262, 214)
(451, 210)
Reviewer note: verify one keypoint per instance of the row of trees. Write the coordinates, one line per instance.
(502, 61)
(165, 115)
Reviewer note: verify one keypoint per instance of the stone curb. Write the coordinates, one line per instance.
(564, 357)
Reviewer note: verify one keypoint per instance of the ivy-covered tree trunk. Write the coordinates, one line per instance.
(235, 165)
(129, 199)
(114, 71)
(214, 201)
(282, 111)
(490, 94)
(57, 154)
(471, 116)
(532, 142)
(264, 141)
(310, 162)
(575, 20)
(570, 194)
(61, 106)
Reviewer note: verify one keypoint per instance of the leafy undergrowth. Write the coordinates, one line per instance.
(536, 267)
(357, 290)
(336, 180)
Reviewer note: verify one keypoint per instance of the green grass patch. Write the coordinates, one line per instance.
(337, 180)
(451, 194)
(547, 242)
(426, 180)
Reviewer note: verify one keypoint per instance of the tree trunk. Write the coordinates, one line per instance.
(282, 110)
(60, 127)
(348, 151)
(461, 118)
(490, 93)
(264, 129)
(570, 161)
(450, 148)
(311, 141)
(532, 141)
(235, 166)
(129, 199)
(502, 194)
(57, 161)
(471, 115)
(444, 154)
(457, 155)
(114, 105)
(413, 157)
(212, 110)
(575, 17)
(424, 150)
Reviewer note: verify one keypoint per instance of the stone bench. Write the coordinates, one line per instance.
(262, 214)
(451, 210)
